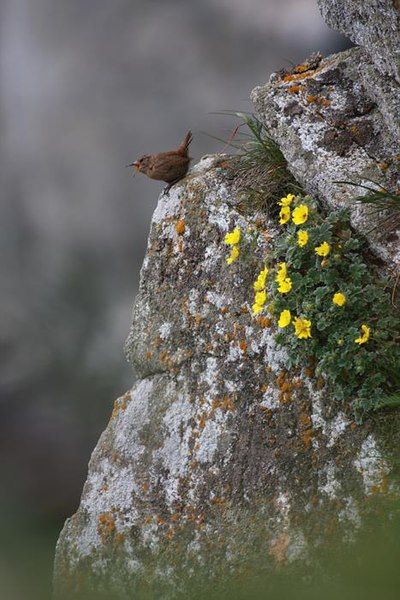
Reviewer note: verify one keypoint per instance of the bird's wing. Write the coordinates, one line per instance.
(169, 166)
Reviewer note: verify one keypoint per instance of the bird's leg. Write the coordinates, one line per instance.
(166, 189)
(169, 186)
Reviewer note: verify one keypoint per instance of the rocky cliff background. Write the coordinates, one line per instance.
(219, 459)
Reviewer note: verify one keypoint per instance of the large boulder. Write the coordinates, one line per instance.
(220, 459)
(218, 456)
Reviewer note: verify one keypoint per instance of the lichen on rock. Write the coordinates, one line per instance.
(216, 433)
(219, 459)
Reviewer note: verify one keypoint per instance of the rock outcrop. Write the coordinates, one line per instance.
(374, 25)
(338, 119)
(219, 459)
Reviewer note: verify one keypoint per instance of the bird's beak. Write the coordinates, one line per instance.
(134, 164)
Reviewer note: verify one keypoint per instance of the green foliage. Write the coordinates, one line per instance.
(260, 168)
(366, 374)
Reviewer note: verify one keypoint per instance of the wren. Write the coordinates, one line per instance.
(166, 166)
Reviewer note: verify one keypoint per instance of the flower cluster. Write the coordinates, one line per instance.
(328, 305)
(284, 282)
(260, 294)
(323, 299)
(232, 239)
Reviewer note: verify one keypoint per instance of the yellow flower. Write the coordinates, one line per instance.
(340, 342)
(302, 237)
(284, 319)
(287, 200)
(234, 255)
(300, 214)
(284, 215)
(257, 308)
(282, 272)
(366, 331)
(285, 285)
(323, 249)
(339, 299)
(259, 283)
(260, 298)
(233, 237)
(302, 328)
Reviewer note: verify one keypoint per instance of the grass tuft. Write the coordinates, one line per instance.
(385, 205)
(259, 168)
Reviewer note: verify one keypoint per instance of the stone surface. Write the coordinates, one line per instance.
(338, 119)
(218, 457)
(372, 24)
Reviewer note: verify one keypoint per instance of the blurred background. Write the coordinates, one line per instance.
(85, 88)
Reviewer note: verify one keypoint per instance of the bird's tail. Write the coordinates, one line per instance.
(183, 148)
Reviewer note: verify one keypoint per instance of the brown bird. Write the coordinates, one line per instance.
(166, 166)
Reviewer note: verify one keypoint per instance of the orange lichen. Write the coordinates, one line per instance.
(180, 227)
(302, 68)
(264, 322)
(295, 89)
(299, 76)
(279, 547)
(119, 537)
(120, 404)
(305, 425)
(175, 517)
(319, 100)
(224, 310)
(243, 346)
(218, 501)
(286, 386)
(225, 403)
(305, 420)
(106, 526)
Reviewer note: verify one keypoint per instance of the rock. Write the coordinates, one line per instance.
(339, 120)
(218, 458)
(372, 24)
